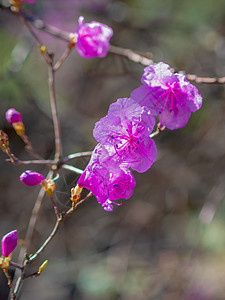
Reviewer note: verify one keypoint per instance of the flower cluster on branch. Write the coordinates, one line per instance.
(124, 136)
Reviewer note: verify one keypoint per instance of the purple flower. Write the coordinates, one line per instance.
(124, 132)
(13, 116)
(168, 95)
(105, 179)
(95, 177)
(93, 39)
(31, 178)
(9, 243)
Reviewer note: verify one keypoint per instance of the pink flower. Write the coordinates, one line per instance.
(168, 95)
(31, 178)
(106, 180)
(13, 116)
(124, 132)
(93, 39)
(9, 243)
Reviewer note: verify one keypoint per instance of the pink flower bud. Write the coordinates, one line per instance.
(31, 178)
(9, 242)
(93, 38)
(13, 116)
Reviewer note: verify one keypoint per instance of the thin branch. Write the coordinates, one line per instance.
(10, 284)
(30, 29)
(72, 169)
(75, 155)
(207, 80)
(57, 225)
(15, 265)
(71, 210)
(29, 234)
(55, 207)
(58, 146)
(32, 162)
(131, 55)
(62, 58)
(48, 240)
(29, 147)
(51, 30)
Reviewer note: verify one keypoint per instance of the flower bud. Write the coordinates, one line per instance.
(9, 242)
(75, 193)
(42, 267)
(93, 38)
(31, 178)
(49, 186)
(13, 116)
(4, 141)
(19, 128)
(72, 40)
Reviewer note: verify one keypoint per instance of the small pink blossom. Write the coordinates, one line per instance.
(125, 132)
(93, 38)
(168, 95)
(9, 243)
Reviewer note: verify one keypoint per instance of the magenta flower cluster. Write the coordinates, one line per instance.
(93, 38)
(124, 134)
(124, 142)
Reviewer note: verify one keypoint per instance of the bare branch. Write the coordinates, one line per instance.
(58, 146)
(72, 169)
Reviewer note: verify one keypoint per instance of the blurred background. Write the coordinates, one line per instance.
(168, 240)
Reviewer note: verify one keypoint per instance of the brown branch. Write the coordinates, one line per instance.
(207, 80)
(18, 162)
(57, 225)
(15, 265)
(131, 55)
(72, 169)
(28, 236)
(75, 155)
(29, 147)
(55, 207)
(58, 146)
(62, 59)
(10, 284)
(51, 30)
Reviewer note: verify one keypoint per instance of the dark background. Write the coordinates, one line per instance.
(161, 244)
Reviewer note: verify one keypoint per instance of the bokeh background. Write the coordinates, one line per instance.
(168, 240)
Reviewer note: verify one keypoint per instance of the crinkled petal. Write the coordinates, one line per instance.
(93, 39)
(121, 184)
